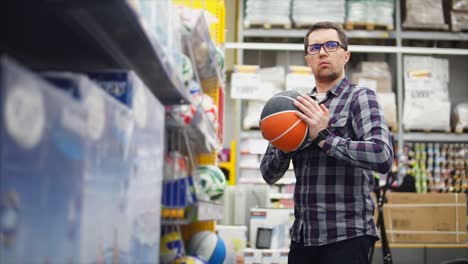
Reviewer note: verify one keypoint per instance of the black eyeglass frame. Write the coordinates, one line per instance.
(323, 45)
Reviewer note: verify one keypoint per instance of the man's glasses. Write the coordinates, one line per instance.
(329, 46)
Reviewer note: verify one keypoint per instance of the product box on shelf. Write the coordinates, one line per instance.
(44, 138)
(105, 232)
(426, 218)
(146, 148)
(274, 225)
(426, 81)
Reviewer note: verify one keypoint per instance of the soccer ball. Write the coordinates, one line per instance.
(181, 114)
(209, 107)
(187, 70)
(220, 59)
(211, 182)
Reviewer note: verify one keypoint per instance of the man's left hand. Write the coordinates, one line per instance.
(315, 115)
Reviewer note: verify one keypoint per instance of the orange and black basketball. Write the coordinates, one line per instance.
(280, 125)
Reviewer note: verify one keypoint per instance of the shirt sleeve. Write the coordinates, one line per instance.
(374, 149)
(274, 164)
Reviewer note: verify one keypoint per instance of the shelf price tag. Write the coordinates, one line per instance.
(245, 86)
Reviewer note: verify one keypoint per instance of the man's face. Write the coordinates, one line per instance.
(327, 66)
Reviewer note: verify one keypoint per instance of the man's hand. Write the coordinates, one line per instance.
(315, 115)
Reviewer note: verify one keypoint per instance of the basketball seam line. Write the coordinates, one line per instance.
(287, 97)
(303, 138)
(277, 113)
(287, 130)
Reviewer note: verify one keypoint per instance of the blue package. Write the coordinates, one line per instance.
(105, 230)
(145, 187)
(42, 169)
(133, 194)
(119, 84)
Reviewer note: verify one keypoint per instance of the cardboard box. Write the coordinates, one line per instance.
(378, 83)
(426, 218)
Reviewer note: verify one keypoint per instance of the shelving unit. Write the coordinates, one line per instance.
(76, 36)
(392, 43)
(85, 36)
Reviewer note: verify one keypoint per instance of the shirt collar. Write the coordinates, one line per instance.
(337, 89)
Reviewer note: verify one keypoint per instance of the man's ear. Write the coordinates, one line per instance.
(347, 56)
(306, 58)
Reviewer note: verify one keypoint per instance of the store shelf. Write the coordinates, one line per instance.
(359, 34)
(85, 36)
(435, 137)
(352, 48)
(280, 196)
(282, 181)
(300, 33)
(421, 35)
(202, 211)
(251, 134)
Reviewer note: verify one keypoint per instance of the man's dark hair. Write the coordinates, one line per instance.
(327, 25)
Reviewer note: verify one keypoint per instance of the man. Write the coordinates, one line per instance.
(348, 141)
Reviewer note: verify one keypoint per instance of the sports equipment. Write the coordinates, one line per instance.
(170, 247)
(209, 107)
(220, 58)
(208, 246)
(280, 125)
(187, 70)
(189, 260)
(211, 182)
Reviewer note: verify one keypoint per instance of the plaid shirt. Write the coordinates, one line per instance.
(332, 196)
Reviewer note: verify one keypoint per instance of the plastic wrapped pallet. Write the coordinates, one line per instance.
(377, 76)
(300, 78)
(424, 14)
(370, 12)
(267, 13)
(257, 86)
(426, 94)
(458, 21)
(308, 12)
(460, 117)
(460, 5)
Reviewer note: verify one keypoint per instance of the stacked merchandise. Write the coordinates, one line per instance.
(306, 12)
(377, 76)
(140, 189)
(256, 85)
(95, 162)
(370, 13)
(424, 14)
(215, 12)
(437, 167)
(426, 94)
(460, 117)
(162, 22)
(459, 15)
(267, 13)
(300, 78)
(42, 169)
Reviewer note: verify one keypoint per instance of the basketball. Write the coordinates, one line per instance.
(211, 182)
(208, 246)
(280, 125)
